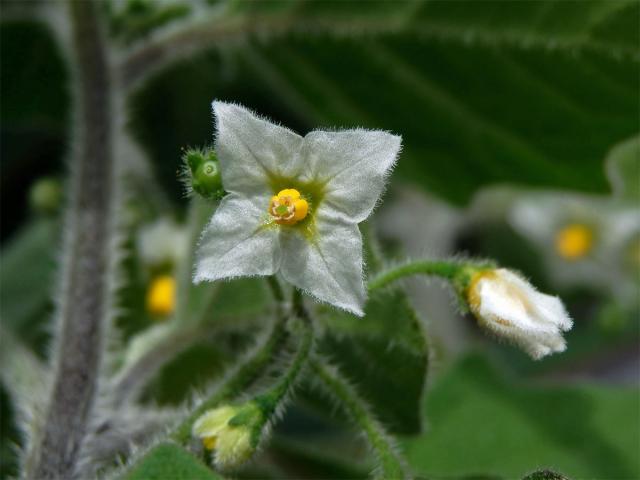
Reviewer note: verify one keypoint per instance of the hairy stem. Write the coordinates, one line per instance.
(276, 395)
(79, 343)
(391, 463)
(237, 381)
(451, 270)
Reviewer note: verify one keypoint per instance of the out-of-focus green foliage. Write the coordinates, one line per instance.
(533, 93)
(481, 422)
(26, 276)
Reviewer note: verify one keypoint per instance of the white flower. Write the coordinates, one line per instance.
(511, 307)
(586, 240)
(294, 204)
(163, 242)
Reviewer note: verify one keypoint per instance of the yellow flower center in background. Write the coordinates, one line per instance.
(161, 296)
(288, 207)
(574, 241)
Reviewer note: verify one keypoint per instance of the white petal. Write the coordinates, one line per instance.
(328, 267)
(251, 149)
(237, 243)
(354, 163)
(551, 309)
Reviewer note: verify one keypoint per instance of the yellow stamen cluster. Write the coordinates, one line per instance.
(574, 241)
(288, 207)
(161, 296)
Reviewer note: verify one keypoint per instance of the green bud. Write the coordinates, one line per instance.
(204, 173)
(45, 196)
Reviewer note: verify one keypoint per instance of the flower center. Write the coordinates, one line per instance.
(288, 207)
(574, 241)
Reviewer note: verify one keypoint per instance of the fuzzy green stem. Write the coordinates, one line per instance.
(79, 341)
(455, 271)
(391, 463)
(270, 400)
(242, 377)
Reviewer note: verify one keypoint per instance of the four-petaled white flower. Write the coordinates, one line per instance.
(294, 204)
(511, 307)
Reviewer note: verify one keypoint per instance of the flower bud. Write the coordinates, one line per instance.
(509, 306)
(232, 432)
(45, 196)
(203, 173)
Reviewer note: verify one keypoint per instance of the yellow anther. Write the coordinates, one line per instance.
(209, 442)
(574, 241)
(288, 207)
(161, 296)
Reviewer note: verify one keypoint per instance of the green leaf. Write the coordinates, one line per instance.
(385, 356)
(27, 273)
(529, 92)
(169, 461)
(481, 422)
(623, 169)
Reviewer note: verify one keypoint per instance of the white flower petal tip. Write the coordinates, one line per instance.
(294, 204)
(510, 307)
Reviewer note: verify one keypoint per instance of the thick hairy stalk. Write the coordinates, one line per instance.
(391, 464)
(84, 284)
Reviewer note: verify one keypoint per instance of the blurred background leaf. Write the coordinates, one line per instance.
(482, 422)
(532, 93)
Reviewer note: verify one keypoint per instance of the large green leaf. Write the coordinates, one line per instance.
(482, 423)
(169, 461)
(533, 93)
(385, 355)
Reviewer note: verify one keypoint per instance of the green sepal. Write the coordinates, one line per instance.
(248, 415)
(203, 170)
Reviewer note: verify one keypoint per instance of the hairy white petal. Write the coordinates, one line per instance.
(354, 164)
(251, 149)
(237, 241)
(512, 308)
(329, 267)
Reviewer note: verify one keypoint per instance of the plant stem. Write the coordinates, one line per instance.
(237, 381)
(392, 466)
(451, 270)
(277, 394)
(82, 311)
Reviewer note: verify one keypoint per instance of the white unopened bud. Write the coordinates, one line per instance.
(512, 308)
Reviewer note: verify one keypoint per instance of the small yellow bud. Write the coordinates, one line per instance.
(288, 207)
(161, 296)
(232, 443)
(574, 241)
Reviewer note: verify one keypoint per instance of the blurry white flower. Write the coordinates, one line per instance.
(162, 243)
(509, 306)
(586, 240)
(294, 204)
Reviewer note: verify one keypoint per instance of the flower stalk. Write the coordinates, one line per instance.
(391, 464)
(238, 380)
(458, 272)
